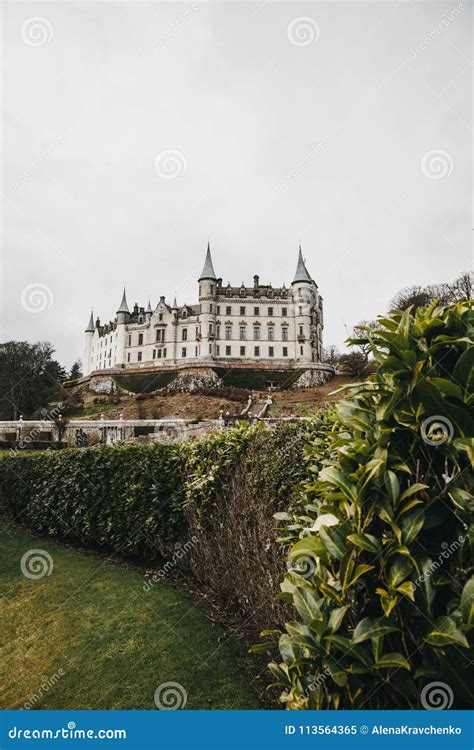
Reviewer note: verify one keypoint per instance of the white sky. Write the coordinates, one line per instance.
(86, 113)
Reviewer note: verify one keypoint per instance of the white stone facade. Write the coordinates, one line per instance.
(257, 325)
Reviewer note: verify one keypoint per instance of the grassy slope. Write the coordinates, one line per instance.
(115, 642)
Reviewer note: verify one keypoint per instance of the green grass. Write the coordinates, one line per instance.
(145, 382)
(114, 642)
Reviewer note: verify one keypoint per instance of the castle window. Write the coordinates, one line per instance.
(195, 351)
(242, 310)
(284, 333)
(227, 351)
(256, 311)
(270, 312)
(210, 308)
(129, 340)
(270, 333)
(128, 357)
(218, 309)
(228, 311)
(242, 333)
(210, 348)
(284, 312)
(228, 292)
(164, 352)
(160, 316)
(242, 351)
(301, 350)
(160, 334)
(270, 292)
(154, 354)
(285, 351)
(256, 332)
(218, 332)
(139, 357)
(256, 351)
(218, 350)
(301, 310)
(140, 339)
(228, 332)
(270, 351)
(184, 335)
(183, 351)
(301, 331)
(159, 353)
(211, 329)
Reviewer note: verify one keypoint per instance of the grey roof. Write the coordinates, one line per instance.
(123, 305)
(208, 270)
(175, 304)
(301, 270)
(149, 310)
(90, 325)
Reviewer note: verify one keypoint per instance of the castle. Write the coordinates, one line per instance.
(231, 326)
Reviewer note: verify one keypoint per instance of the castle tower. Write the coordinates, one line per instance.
(207, 302)
(304, 296)
(123, 316)
(88, 345)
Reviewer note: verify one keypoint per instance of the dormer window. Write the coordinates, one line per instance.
(228, 292)
(242, 291)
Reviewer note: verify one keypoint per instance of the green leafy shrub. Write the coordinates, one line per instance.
(145, 382)
(381, 566)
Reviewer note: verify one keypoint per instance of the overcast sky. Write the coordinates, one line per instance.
(349, 130)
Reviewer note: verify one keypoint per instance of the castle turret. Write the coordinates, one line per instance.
(123, 316)
(207, 302)
(88, 344)
(305, 297)
(123, 313)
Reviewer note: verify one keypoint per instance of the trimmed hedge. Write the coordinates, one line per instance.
(257, 380)
(146, 382)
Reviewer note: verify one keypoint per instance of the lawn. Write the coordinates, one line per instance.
(88, 636)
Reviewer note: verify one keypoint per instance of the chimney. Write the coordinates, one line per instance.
(255, 281)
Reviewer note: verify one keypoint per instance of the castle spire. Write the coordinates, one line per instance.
(175, 304)
(123, 305)
(90, 326)
(208, 270)
(149, 310)
(301, 270)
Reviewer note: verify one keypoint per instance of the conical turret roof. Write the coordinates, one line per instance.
(90, 326)
(208, 270)
(123, 305)
(301, 270)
